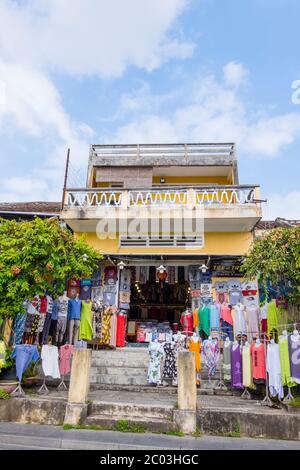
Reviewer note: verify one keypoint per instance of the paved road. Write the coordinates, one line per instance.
(32, 436)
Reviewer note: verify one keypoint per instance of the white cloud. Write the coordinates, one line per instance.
(209, 111)
(235, 74)
(75, 37)
(93, 36)
(286, 205)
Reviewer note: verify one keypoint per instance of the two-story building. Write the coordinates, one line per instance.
(157, 210)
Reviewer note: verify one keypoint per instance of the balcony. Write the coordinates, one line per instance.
(225, 208)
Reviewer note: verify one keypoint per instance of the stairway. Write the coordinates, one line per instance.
(124, 366)
(126, 369)
(153, 418)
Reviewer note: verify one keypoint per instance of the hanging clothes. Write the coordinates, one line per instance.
(274, 370)
(258, 361)
(204, 325)
(156, 353)
(227, 361)
(196, 320)
(65, 354)
(239, 323)
(105, 328)
(169, 369)
(252, 322)
(272, 316)
(186, 321)
(211, 355)
(180, 346)
(247, 366)
(24, 355)
(195, 347)
(121, 330)
(18, 327)
(264, 318)
(285, 362)
(294, 352)
(86, 327)
(2, 354)
(49, 356)
(214, 316)
(236, 367)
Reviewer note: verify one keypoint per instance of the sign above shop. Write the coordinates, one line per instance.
(226, 268)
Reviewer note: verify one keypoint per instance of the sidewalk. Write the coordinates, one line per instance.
(29, 436)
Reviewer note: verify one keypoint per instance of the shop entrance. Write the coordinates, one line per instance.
(157, 300)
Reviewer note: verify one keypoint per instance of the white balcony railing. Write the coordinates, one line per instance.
(207, 196)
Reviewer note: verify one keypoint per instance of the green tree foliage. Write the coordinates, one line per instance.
(36, 256)
(276, 257)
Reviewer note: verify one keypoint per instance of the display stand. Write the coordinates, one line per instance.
(18, 391)
(246, 394)
(289, 396)
(62, 386)
(43, 390)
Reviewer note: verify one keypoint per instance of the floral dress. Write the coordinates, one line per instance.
(170, 370)
(180, 346)
(211, 355)
(105, 329)
(156, 353)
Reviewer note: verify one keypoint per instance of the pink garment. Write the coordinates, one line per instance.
(65, 354)
(226, 314)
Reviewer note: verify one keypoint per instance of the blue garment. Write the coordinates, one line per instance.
(24, 354)
(227, 329)
(18, 328)
(74, 309)
(214, 316)
(55, 308)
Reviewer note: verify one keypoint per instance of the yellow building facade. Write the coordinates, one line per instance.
(172, 205)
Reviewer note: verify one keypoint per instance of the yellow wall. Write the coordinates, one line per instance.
(216, 243)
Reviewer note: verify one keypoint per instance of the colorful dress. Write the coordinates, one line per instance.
(204, 325)
(227, 361)
(180, 346)
(285, 362)
(169, 370)
(294, 350)
(247, 366)
(236, 367)
(86, 327)
(105, 330)
(211, 355)
(121, 327)
(156, 353)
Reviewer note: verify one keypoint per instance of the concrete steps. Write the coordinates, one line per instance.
(141, 424)
(144, 417)
(124, 366)
(118, 379)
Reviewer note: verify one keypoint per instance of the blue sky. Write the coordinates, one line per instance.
(79, 72)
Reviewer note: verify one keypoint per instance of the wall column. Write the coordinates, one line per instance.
(76, 410)
(185, 416)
